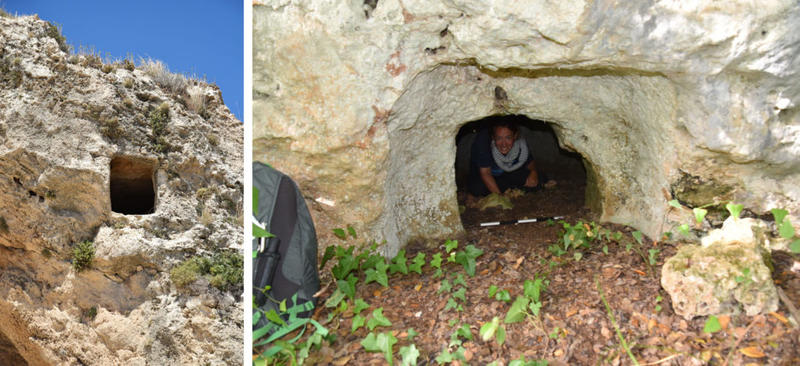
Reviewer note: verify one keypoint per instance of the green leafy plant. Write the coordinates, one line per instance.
(785, 229)
(499, 295)
(82, 255)
(222, 270)
(712, 325)
(382, 342)
(399, 263)
(159, 118)
(409, 355)
(658, 303)
(613, 320)
(417, 263)
(467, 258)
(493, 329)
(529, 304)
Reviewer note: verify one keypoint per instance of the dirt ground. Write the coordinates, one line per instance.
(573, 327)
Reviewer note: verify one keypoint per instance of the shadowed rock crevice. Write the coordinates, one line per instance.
(132, 188)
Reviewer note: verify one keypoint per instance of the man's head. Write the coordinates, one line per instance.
(504, 133)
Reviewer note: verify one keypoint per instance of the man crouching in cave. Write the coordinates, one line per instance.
(501, 160)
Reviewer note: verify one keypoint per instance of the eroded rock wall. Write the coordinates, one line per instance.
(361, 105)
(63, 119)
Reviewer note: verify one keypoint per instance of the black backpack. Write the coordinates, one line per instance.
(286, 262)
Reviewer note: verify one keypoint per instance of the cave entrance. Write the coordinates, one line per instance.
(132, 186)
(564, 195)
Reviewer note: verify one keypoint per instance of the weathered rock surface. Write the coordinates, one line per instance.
(361, 106)
(83, 146)
(724, 274)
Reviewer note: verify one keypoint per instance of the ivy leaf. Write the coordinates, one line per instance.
(340, 233)
(464, 332)
(352, 232)
(358, 322)
(273, 316)
(378, 274)
(451, 304)
(492, 290)
(347, 263)
(383, 343)
(488, 329)
(786, 229)
(372, 261)
(359, 306)
(503, 295)
(638, 236)
(450, 245)
(734, 209)
(459, 280)
(399, 263)
(445, 286)
(533, 289)
(501, 335)
(335, 298)
(795, 246)
(417, 263)
(378, 319)
(467, 257)
(329, 253)
(712, 325)
(409, 354)
(411, 334)
(699, 214)
(437, 273)
(517, 311)
(460, 294)
(675, 203)
(684, 229)
(535, 306)
(348, 287)
(436, 261)
(779, 214)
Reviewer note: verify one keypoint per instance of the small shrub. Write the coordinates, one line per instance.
(107, 68)
(196, 101)
(91, 312)
(159, 118)
(82, 255)
(54, 31)
(110, 127)
(127, 64)
(213, 139)
(186, 272)
(128, 83)
(175, 83)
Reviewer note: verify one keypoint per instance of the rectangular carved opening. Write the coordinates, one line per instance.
(132, 186)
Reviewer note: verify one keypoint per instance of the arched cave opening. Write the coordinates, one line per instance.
(564, 168)
(132, 186)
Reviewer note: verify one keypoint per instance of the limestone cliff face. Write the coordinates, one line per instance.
(694, 100)
(145, 164)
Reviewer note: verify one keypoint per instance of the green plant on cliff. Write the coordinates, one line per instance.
(82, 255)
(159, 118)
(222, 270)
(54, 31)
(785, 229)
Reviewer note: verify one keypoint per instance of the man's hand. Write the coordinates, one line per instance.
(532, 180)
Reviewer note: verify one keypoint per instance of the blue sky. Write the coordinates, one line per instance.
(203, 38)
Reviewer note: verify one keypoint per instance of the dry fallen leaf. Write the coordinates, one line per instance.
(519, 261)
(724, 320)
(752, 351)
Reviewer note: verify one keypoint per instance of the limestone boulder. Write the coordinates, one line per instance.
(361, 104)
(143, 163)
(727, 273)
